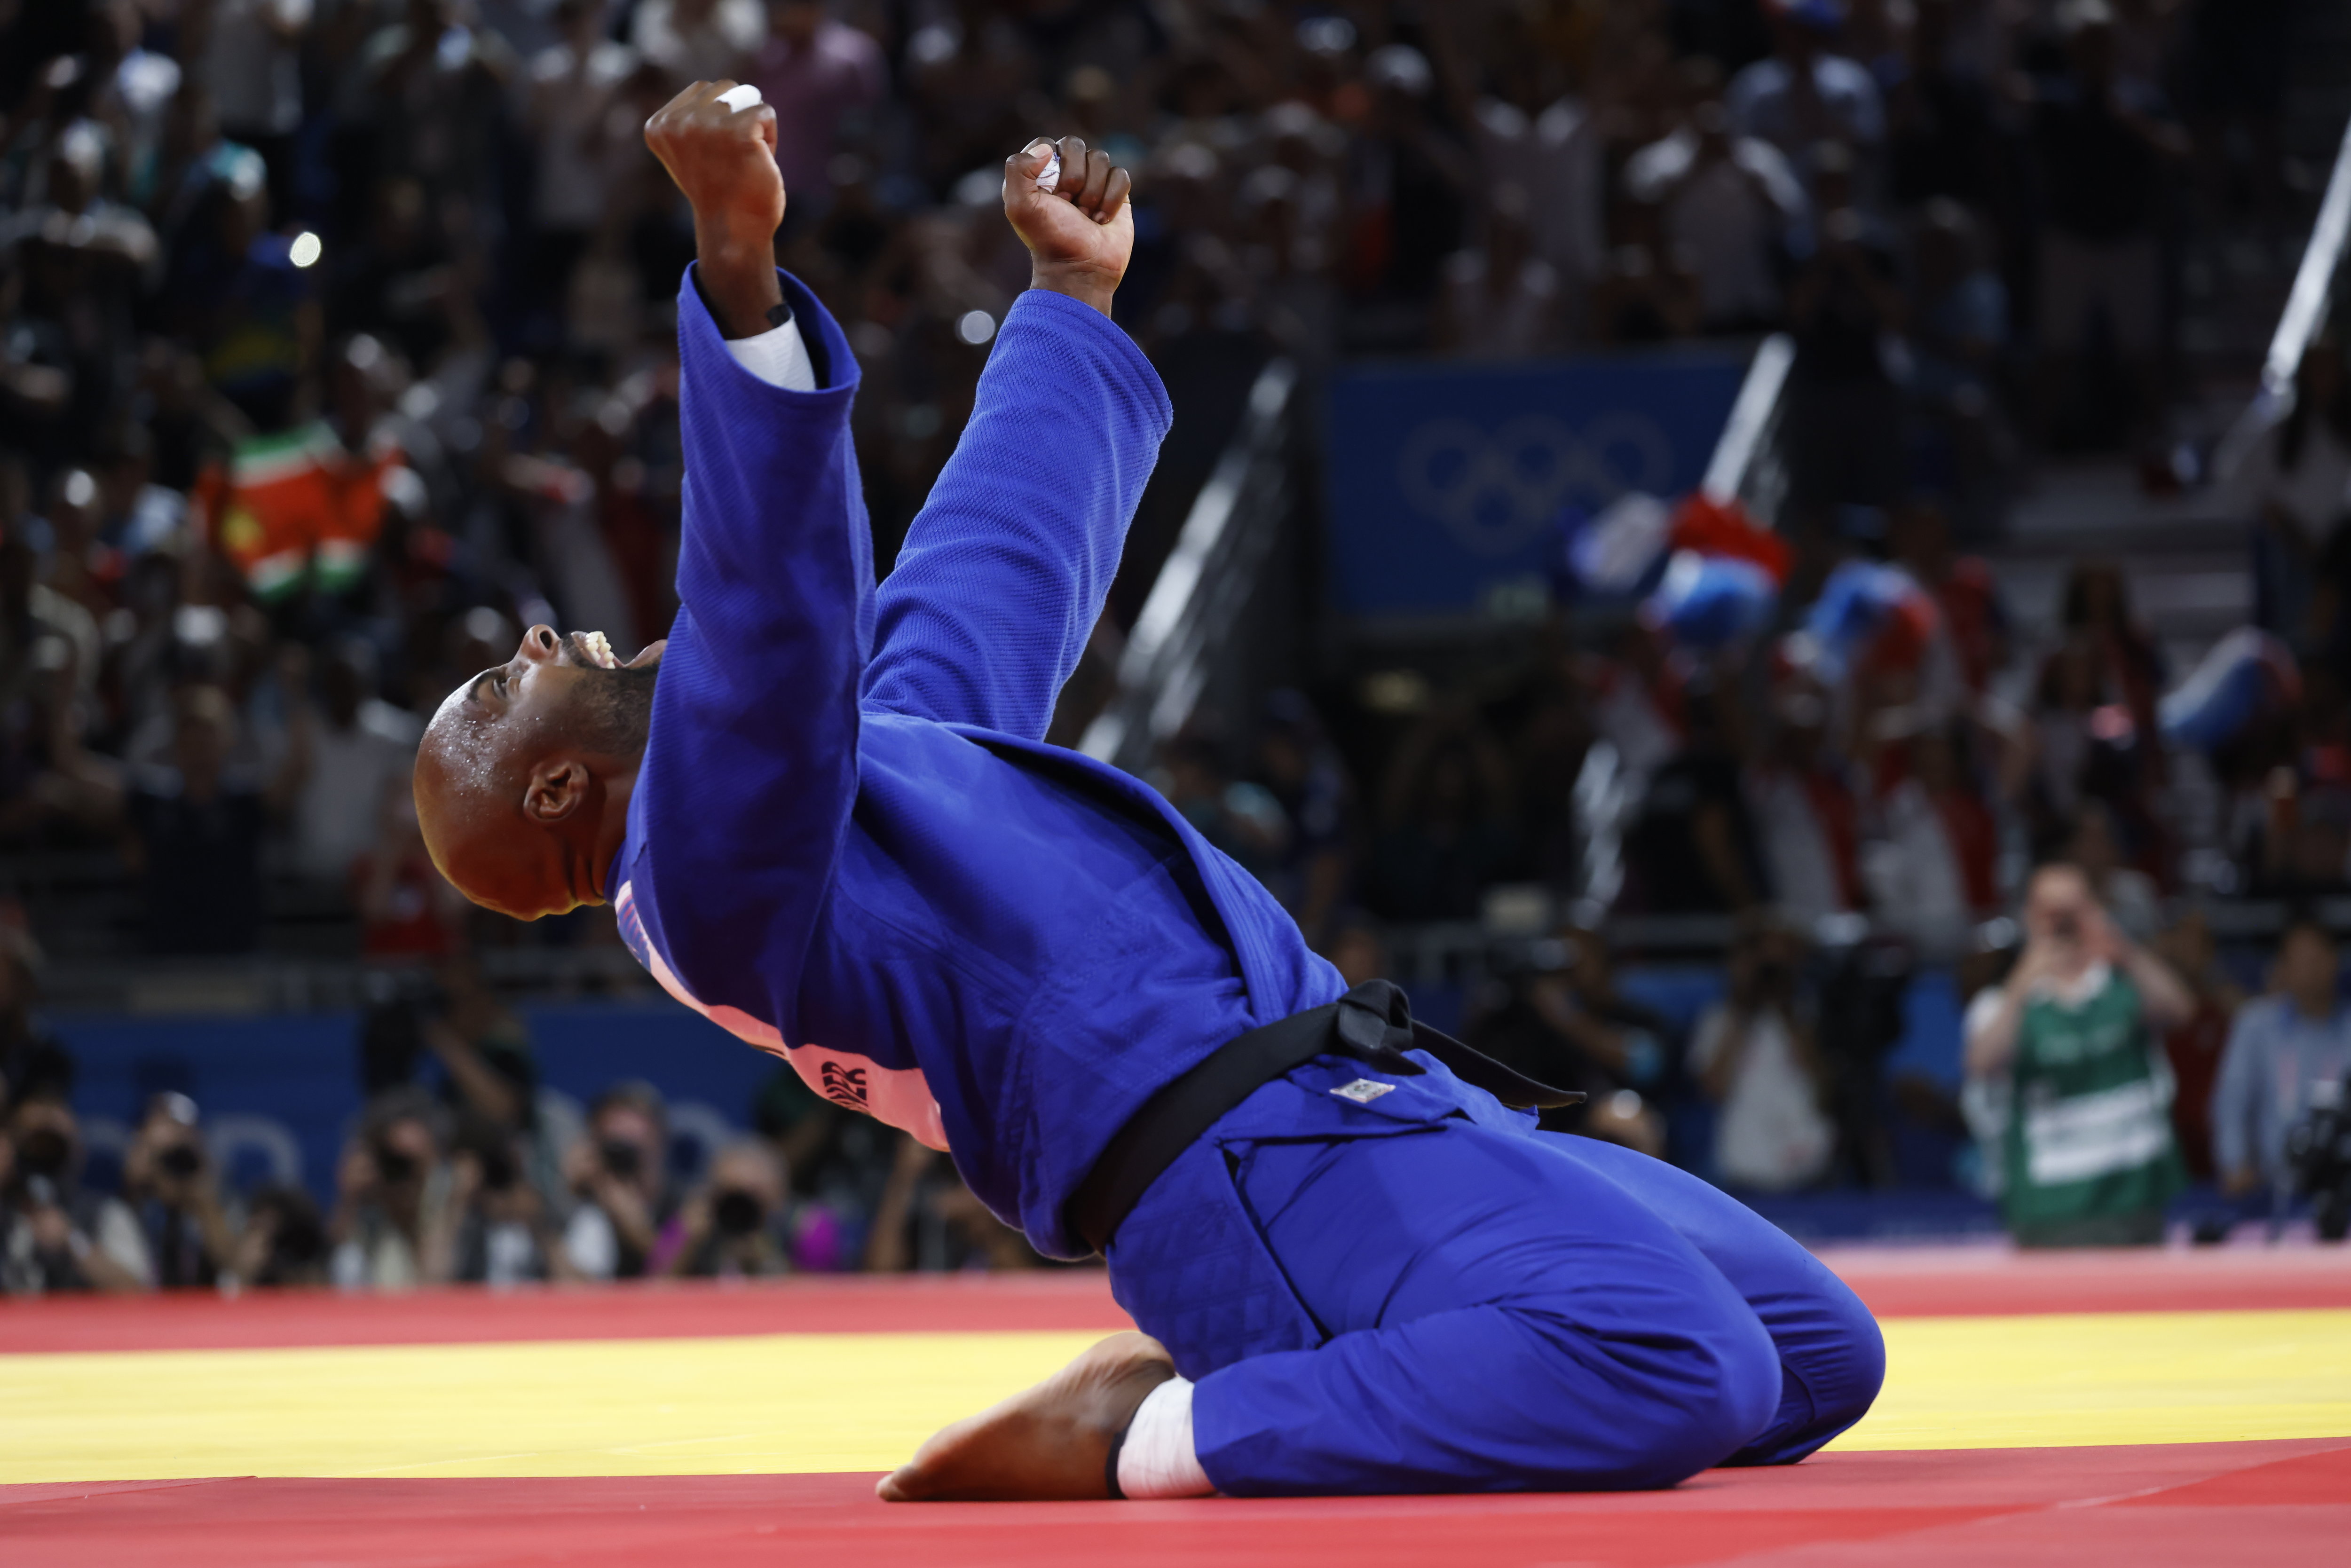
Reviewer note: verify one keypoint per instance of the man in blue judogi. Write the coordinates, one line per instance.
(827, 820)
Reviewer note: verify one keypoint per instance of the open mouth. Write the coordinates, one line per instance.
(594, 648)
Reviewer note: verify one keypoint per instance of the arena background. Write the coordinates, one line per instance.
(1673, 509)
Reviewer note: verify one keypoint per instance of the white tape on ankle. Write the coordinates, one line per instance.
(1157, 1459)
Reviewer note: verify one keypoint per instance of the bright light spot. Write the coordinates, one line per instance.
(975, 327)
(306, 249)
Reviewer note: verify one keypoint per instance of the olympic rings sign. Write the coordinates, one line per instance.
(1496, 492)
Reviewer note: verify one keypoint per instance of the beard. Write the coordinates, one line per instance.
(613, 712)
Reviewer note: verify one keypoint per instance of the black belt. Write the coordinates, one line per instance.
(1372, 1023)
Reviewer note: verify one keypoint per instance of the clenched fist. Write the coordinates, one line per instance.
(723, 159)
(1081, 234)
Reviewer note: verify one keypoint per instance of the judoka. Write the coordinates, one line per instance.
(825, 818)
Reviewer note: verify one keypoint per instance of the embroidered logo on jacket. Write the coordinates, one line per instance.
(845, 1085)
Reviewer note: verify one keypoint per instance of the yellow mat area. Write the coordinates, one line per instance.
(863, 1402)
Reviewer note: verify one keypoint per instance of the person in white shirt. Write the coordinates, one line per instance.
(1734, 201)
(1754, 1057)
(700, 38)
(346, 750)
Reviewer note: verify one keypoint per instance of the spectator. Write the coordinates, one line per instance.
(1446, 809)
(346, 752)
(169, 1178)
(283, 1241)
(498, 1227)
(1755, 1056)
(1805, 96)
(576, 117)
(2101, 148)
(2295, 485)
(1959, 334)
(818, 72)
(1500, 301)
(389, 1230)
(1730, 200)
(197, 825)
(1693, 850)
(1807, 820)
(2195, 1048)
(1974, 617)
(56, 1235)
(1934, 869)
(406, 908)
(737, 1224)
(31, 1061)
(1308, 780)
(250, 63)
(1845, 439)
(2087, 1156)
(698, 41)
(620, 1174)
(1565, 1022)
(2283, 1047)
(1942, 126)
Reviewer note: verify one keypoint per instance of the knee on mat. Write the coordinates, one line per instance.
(1844, 1389)
(1727, 1392)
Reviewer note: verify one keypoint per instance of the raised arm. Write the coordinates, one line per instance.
(1004, 573)
(752, 759)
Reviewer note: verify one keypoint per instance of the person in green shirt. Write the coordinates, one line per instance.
(2087, 1158)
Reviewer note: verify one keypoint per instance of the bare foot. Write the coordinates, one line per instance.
(1050, 1444)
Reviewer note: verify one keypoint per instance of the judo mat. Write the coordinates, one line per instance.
(2153, 1408)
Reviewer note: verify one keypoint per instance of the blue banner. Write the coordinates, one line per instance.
(279, 1093)
(1443, 481)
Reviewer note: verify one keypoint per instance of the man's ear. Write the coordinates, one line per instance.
(559, 787)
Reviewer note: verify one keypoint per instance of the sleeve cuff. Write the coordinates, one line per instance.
(778, 357)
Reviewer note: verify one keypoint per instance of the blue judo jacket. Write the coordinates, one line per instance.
(849, 843)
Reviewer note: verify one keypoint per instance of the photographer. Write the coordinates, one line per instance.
(734, 1226)
(498, 1228)
(389, 1229)
(56, 1234)
(620, 1173)
(2283, 1047)
(2087, 1155)
(169, 1180)
(283, 1241)
(1755, 1056)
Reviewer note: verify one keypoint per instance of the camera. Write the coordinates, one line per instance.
(737, 1213)
(393, 1166)
(2318, 1152)
(180, 1162)
(621, 1158)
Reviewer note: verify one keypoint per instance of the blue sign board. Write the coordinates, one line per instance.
(1443, 481)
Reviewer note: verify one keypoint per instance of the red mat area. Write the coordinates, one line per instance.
(1986, 1282)
(2151, 1507)
(1075, 1300)
(1895, 1282)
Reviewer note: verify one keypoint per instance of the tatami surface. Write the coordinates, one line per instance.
(649, 1420)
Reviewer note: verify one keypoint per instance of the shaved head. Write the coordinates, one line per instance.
(524, 775)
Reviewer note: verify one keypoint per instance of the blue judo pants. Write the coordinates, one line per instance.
(1423, 1294)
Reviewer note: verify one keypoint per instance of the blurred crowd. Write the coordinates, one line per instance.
(459, 1168)
(336, 348)
(339, 344)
